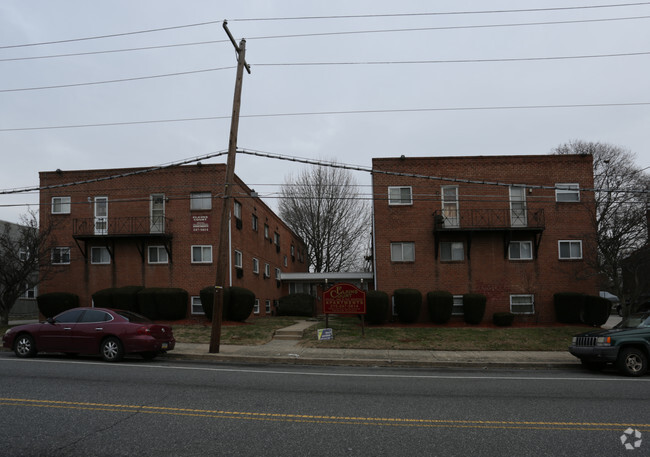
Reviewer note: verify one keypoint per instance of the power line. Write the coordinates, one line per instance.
(60, 86)
(332, 113)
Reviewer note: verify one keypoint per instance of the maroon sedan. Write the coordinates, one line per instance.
(109, 332)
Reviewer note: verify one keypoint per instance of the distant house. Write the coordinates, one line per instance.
(636, 274)
(517, 229)
(160, 228)
(25, 306)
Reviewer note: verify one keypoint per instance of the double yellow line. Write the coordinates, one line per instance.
(308, 418)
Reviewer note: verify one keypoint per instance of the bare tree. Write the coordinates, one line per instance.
(621, 222)
(322, 205)
(24, 250)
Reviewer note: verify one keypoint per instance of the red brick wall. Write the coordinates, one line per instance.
(129, 196)
(487, 271)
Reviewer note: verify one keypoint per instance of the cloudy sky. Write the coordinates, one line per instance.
(82, 82)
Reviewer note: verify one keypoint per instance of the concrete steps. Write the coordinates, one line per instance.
(293, 332)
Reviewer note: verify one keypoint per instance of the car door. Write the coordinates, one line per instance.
(54, 336)
(88, 332)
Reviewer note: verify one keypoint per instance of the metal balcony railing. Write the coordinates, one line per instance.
(121, 226)
(489, 219)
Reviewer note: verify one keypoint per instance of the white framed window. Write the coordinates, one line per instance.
(567, 192)
(197, 307)
(256, 308)
(99, 255)
(157, 254)
(61, 256)
(457, 308)
(518, 211)
(450, 206)
(30, 293)
(200, 201)
(267, 306)
(276, 238)
(570, 249)
(267, 270)
(522, 304)
(400, 195)
(239, 259)
(60, 205)
(520, 250)
(202, 254)
(266, 231)
(286, 261)
(237, 210)
(402, 252)
(256, 266)
(277, 273)
(23, 254)
(452, 251)
(255, 220)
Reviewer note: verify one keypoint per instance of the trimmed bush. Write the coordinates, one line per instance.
(241, 302)
(408, 303)
(440, 304)
(377, 305)
(595, 310)
(504, 319)
(296, 305)
(125, 298)
(474, 308)
(568, 306)
(103, 298)
(49, 305)
(163, 303)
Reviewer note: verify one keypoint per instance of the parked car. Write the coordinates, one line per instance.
(627, 345)
(111, 333)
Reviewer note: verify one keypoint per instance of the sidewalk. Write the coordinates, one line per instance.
(284, 351)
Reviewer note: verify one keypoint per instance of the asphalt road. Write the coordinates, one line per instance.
(54, 406)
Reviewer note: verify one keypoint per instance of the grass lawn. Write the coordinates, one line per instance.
(347, 334)
(254, 331)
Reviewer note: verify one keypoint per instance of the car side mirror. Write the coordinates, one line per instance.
(50, 320)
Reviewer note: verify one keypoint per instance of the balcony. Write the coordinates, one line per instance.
(490, 220)
(529, 224)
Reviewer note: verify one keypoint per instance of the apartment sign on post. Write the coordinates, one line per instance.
(344, 299)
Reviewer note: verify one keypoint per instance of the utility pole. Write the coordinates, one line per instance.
(224, 250)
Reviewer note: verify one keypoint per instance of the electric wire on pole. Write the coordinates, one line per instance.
(224, 251)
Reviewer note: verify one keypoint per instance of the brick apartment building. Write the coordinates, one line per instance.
(122, 227)
(515, 228)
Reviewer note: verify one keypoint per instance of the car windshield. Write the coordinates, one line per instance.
(133, 317)
(641, 320)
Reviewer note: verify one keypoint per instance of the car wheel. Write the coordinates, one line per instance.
(149, 355)
(25, 346)
(632, 362)
(112, 350)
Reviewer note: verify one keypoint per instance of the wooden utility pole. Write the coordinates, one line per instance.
(224, 248)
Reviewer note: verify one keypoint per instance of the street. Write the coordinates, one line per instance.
(56, 406)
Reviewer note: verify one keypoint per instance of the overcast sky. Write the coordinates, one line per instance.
(488, 79)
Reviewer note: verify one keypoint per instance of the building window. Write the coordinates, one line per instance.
(267, 270)
(61, 256)
(286, 261)
(266, 231)
(567, 192)
(451, 251)
(521, 250)
(23, 254)
(256, 308)
(522, 304)
(450, 206)
(570, 249)
(237, 210)
(200, 201)
(30, 293)
(400, 196)
(158, 254)
(197, 307)
(239, 259)
(277, 274)
(267, 306)
(60, 205)
(256, 266)
(276, 238)
(201, 254)
(402, 252)
(254, 223)
(99, 256)
(457, 308)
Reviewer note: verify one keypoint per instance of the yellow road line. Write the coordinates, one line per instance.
(306, 418)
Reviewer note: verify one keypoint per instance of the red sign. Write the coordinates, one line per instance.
(201, 223)
(344, 299)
